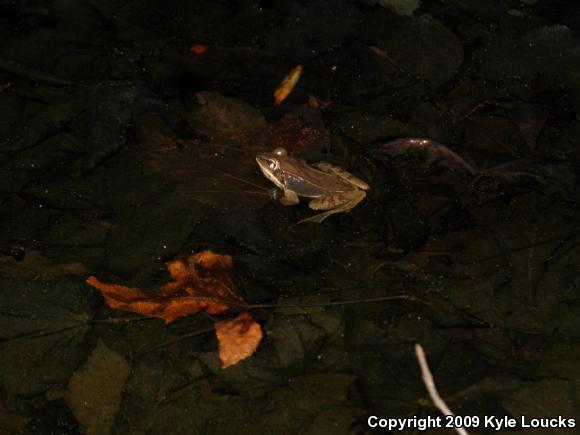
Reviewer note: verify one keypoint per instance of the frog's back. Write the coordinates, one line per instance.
(312, 183)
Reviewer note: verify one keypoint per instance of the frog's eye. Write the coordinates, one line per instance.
(273, 164)
(280, 152)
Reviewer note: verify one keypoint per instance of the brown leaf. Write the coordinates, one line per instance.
(238, 338)
(494, 133)
(531, 119)
(234, 124)
(431, 152)
(299, 129)
(203, 281)
(222, 171)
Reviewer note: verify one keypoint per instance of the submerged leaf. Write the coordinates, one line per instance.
(238, 338)
(557, 178)
(401, 7)
(201, 282)
(42, 330)
(224, 118)
(204, 281)
(94, 391)
(425, 48)
(544, 397)
(553, 178)
(431, 152)
(112, 106)
(40, 126)
(300, 129)
(530, 120)
(296, 338)
(221, 171)
(548, 50)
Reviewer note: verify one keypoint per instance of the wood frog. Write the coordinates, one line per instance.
(331, 188)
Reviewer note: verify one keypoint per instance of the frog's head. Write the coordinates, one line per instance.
(271, 166)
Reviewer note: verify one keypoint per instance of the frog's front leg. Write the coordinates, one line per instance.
(335, 203)
(289, 198)
(345, 175)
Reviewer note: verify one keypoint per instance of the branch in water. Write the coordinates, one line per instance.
(432, 388)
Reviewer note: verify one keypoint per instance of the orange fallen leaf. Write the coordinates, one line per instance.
(203, 281)
(287, 85)
(238, 338)
(198, 49)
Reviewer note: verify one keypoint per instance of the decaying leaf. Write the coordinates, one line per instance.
(422, 47)
(95, 389)
(222, 170)
(203, 281)
(287, 85)
(401, 7)
(553, 178)
(300, 129)
(382, 54)
(238, 338)
(428, 150)
(557, 178)
(530, 119)
(42, 324)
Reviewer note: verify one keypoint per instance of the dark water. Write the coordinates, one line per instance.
(128, 136)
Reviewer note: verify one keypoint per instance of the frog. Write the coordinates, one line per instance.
(332, 189)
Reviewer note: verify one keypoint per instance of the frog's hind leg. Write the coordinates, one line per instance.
(338, 204)
(318, 218)
(345, 175)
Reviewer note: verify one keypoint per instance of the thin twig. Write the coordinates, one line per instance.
(340, 303)
(241, 304)
(431, 388)
(29, 73)
(125, 319)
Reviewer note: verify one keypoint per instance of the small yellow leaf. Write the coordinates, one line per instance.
(287, 85)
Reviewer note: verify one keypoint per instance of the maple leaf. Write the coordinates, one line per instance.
(203, 281)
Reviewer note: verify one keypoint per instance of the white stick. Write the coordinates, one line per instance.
(431, 388)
